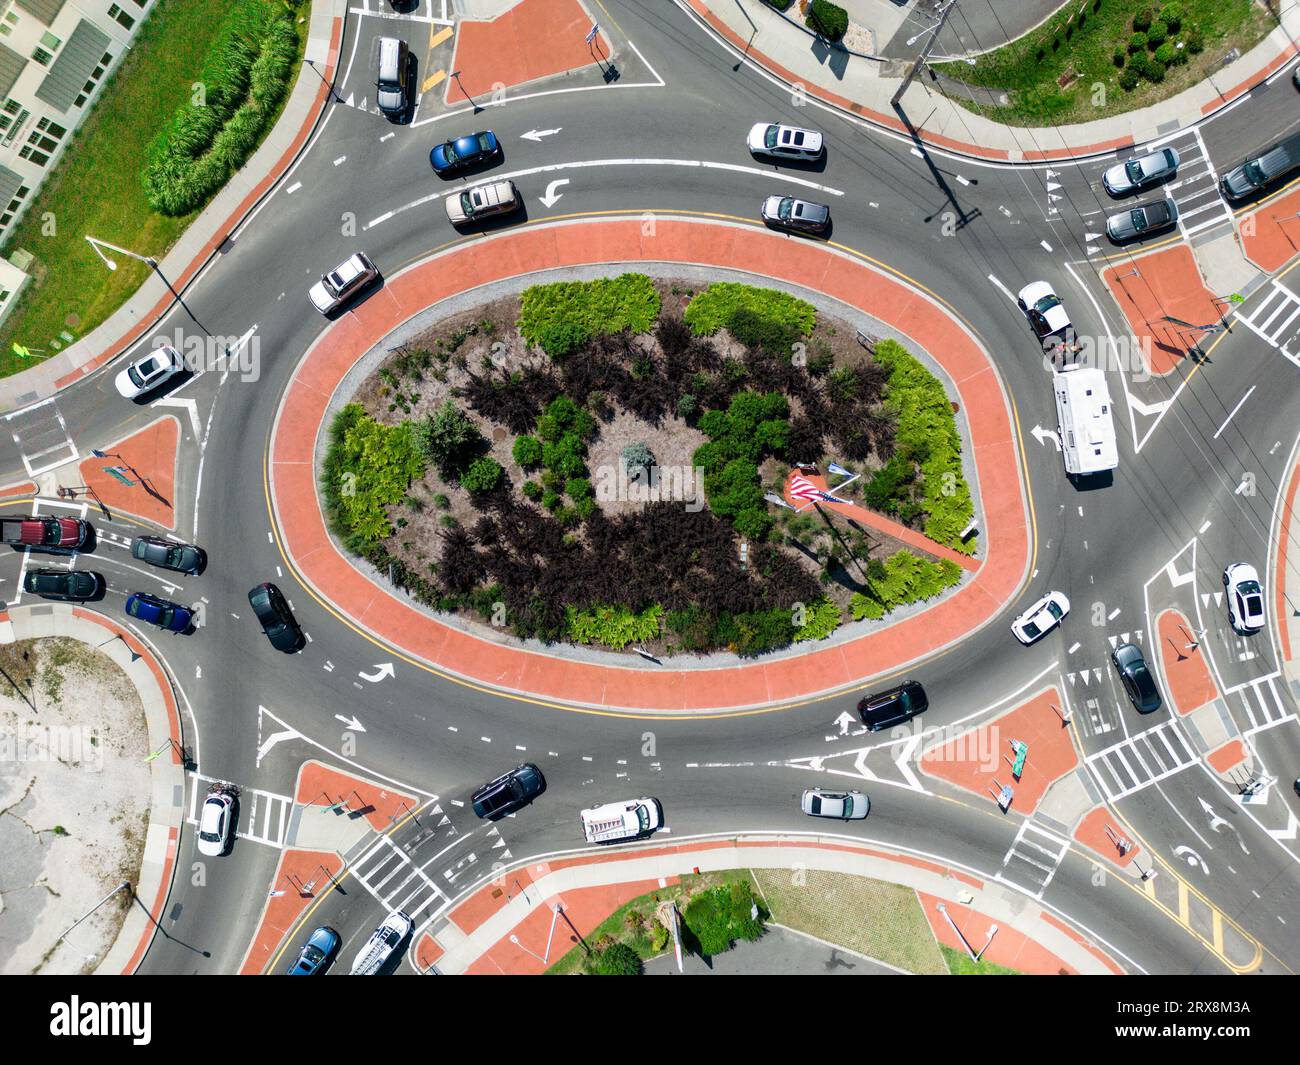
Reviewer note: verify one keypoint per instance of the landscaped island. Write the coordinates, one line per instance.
(594, 462)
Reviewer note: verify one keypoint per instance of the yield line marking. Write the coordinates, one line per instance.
(436, 39)
(436, 79)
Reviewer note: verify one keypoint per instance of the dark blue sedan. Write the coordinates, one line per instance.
(161, 612)
(316, 953)
(464, 152)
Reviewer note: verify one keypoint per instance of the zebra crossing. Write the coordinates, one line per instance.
(1034, 857)
(1196, 187)
(263, 815)
(1276, 319)
(1262, 703)
(1140, 761)
(396, 882)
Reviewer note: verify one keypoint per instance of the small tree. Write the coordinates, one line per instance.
(617, 960)
(483, 475)
(448, 438)
(639, 460)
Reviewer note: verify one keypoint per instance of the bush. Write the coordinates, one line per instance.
(1157, 35)
(830, 20)
(448, 438)
(1137, 43)
(483, 475)
(755, 330)
(1143, 19)
(1168, 53)
(246, 74)
(890, 484)
(368, 467)
(638, 459)
(1171, 14)
(613, 626)
(1155, 70)
(527, 451)
(820, 620)
(753, 523)
(1195, 41)
(617, 960)
(1128, 81)
(901, 579)
(563, 315)
(719, 916)
(1120, 56)
(714, 308)
(532, 490)
(686, 407)
(577, 488)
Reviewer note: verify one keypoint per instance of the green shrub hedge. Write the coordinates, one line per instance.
(368, 467)
(716, 306)
(716, 918)
(753, 426)
(820, 620)
(830, 20)
(927, 434)
(245, 77)
(560, 317)
(483, 475)
(900, 579)
(613, 626)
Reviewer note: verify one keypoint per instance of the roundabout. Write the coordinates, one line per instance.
(1030, 799)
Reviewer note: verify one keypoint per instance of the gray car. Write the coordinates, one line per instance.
(839, 805)
(168, 554)
(803, 216)
(1143, 219)
(1135, 675)
(1140, 171)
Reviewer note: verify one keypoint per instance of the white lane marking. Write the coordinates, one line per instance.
(784, 178)
(293, 188)
(1003, 288)
(1046, 247)
(340, 159)
(385, 137)
(1234, 411)
(1201, 530)
(189, 404)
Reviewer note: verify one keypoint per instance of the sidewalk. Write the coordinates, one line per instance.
(864, 87)
(1286, 574)
(206, 235)
(167, 775)
(506, 931)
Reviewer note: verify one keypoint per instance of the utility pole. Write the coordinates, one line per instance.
(925, 52)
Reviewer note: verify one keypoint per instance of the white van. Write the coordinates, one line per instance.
(392, 82)
(382, 942)
(616, 822)
(1083, 411)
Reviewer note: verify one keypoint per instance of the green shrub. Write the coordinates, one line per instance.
(483, 475)
(755, 330)
(753, 523)
(448, 439)
(687, 405)
(245, 76)
(532, 490)
(1168, 53)
(900, 579)
(368, 467)
(1137, 43)
(617, 960)
(559, 317)
(1128, 81)
(1156, 35)
(1119, 56)
(890, 484)
(1195, 40)
(552, 500)
(719, 916)
(713, 308)
(862, 606)
(613, 626)
(1171, 14)
(830, 20)
(527, 451)
(820, 620)
(1155, 70)
(577, 488)
(637, 458)
(1143, 19)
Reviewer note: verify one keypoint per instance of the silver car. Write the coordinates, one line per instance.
(1140, 171)
(342, 283)
(839, 805)
(800, 216)
(1140, 220)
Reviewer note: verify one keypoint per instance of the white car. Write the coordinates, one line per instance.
(483, 201)
(342, 283)
(146, 374)
(1245, 598)
(215, 821)
(839, 805)
(785, 142)
(1043, 308)
(1041, 618)
(1140, 171)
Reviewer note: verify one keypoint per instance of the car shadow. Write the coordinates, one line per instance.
(516, 217)
(356, 301)
(806, 166)
(471, 173)
(1092, 482)
(163, 389)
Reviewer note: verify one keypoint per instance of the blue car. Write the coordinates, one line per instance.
(464, 152)
(317, 954)
(161, 612)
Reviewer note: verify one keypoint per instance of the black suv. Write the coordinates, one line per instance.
(894, 706)
(68, 585)
(1136, 677)
(509, 793)
(277, 619)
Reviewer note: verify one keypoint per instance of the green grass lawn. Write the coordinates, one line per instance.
(1080, 43)
(96, 187)
(959, 964)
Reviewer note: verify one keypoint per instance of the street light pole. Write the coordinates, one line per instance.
(933, 31)
(456, 75)
(333, 95)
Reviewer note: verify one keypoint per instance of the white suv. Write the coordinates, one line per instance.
(342, 283)
(785, 142)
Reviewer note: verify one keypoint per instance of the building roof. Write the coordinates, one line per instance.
(11, 65)
(45, 10)
(73, 65)
(9, 182)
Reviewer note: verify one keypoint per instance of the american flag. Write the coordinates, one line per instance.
(802, 488)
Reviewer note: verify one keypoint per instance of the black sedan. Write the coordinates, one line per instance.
(464, 152)
(277, 620)
(65, 585)
(168, 554)
(1136, 677)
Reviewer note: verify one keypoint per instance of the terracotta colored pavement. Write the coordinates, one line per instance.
(1188, 683)
(296, 870)
(534, 39)
(427, 952)
(1167, 283)
(149, 459)
(1243, 87)
(18, 491)
(324, 785)
(585, 907)
(1227, 757)
(1271, 235)
(221, 233)
(881, 523)
(1282, 610)
(487, 900)
(1091, 832)
(974, 759)
(1009, 947)
(511, 253)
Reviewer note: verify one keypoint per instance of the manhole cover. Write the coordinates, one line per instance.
(499, 434)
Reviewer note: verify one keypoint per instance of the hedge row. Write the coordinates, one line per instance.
(561, 317)
(830, 20)
(244, 79)
(613, 626)
(718, 304)
(716, 918)
(926, 433)
(900, 579)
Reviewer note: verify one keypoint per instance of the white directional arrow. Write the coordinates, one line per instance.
(352, 723)
(844, 721)
(1051, 173)
(552, 197)
(1092, 236)
(382, 670)
(1052, 186)
(538, 134)
(1043, 435)
(1292, 824)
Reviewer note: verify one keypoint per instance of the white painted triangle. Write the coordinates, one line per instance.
(1084, 677)
(1124, 636)
(437, 808)
(349, 100)
(1051, 173)
(499, 843)
(1092, 236)
(445, 821)
(1052, 197)
(1093, 249)
(1139, 635)
(1053, 210)
(508, 854)
(1070, 678)
(364, 105)
(1114, 642)
(1053, 185)
(1218, 599)
(1205, 599)
(1096, 675)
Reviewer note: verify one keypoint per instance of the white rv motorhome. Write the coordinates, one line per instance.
(616, 822)
(1083, 412)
